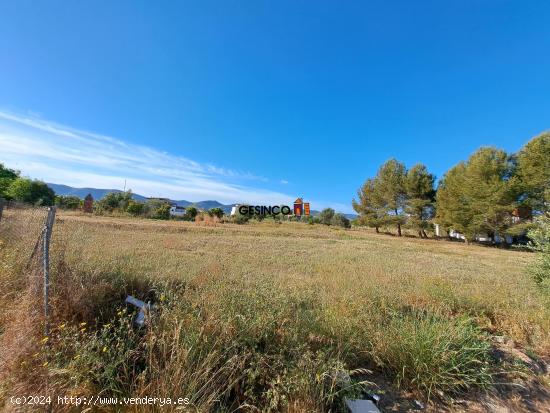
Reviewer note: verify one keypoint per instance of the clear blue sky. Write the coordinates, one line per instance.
(315, 93)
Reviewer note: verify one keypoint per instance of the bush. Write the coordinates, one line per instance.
(340, 220)
(326, 215)
(540, 243)
(135, 208)
(190, 213)
(433, 354)
(216, 212)
(240, 219)
(162, 212)
(68, 202)
(110, 356)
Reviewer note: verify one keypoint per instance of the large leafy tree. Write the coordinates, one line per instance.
(420, 197)
(7, 176)
(115, 201)
(478, 195)
(390, 188)
(533, 171)
(30, 191)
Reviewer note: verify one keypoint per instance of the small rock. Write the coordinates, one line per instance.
(419, 405)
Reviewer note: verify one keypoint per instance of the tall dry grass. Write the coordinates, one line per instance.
(275, 317)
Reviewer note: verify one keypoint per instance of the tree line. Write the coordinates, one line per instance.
(30, 191)
(483, 194)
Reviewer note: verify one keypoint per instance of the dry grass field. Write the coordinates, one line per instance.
(277, 317)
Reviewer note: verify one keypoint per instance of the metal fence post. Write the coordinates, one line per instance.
(2, 202)
(47, 235)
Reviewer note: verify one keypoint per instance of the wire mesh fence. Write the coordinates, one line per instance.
(25, 234)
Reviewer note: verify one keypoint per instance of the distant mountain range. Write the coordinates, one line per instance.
(100, 193)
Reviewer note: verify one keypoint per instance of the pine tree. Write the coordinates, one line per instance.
(534, 173)
(390, 188)
(478, 195)
(369, 205)
(419, 188)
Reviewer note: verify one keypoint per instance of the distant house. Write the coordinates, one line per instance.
(520, 214)
(176, 210)
(234, 209)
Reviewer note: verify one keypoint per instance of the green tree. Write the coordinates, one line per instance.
(369, 205)
(67, 201)
(533, 171)
(30, 191)
(326, 216)
(7, 172)
(478, 195)
(420, 197)
(7, 176)
(340, 220)
(115, 201)
(216, 212)
(390, 189)
(190, 213)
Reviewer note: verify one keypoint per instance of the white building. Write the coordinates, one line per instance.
(177, 211)
(234, 209)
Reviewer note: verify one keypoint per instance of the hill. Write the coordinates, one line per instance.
(99, 193)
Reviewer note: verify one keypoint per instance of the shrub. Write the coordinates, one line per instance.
(190, 213)
(67, 202)
(326, 215)
(216, 212)
(206, 219)
(135, 208)
(432, 353)
(108, 357)
(540, 242)
(162, 212)
(340, 220)
(240, 219)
